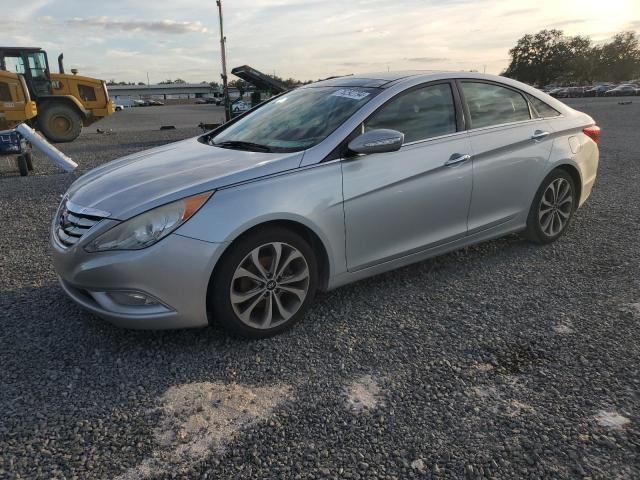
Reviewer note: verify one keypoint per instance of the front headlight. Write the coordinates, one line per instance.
(149, 227)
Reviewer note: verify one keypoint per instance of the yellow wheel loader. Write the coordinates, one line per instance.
(64, 102)
(16, 105)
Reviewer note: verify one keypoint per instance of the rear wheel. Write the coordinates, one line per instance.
(552, 208)
(60, 122)
(22, 165)
(29, 159)
(264, 283)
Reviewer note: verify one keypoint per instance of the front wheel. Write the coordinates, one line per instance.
(60, 122)
(264, 283)
(552, 208)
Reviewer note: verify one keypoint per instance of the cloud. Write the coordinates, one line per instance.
(564, 23)
(426, 59)
(156, 26)
(522, 11)
(304, 39)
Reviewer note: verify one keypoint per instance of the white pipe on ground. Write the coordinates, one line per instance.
(38, 141)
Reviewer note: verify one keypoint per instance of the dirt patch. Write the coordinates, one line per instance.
(632, 308)
(493, 400)
(563, 328)
(481, 367)
(612, 420)
(198, 419)
(363, 394)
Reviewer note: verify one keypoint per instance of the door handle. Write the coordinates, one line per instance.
(457, 159)
(539, 135)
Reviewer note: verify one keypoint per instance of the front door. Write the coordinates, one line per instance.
(402, 202)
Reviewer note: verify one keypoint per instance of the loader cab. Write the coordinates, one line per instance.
(33, 64)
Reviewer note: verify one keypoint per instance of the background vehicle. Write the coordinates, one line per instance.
(208, 100)
(557, 92)
(239, 106)
(622, 91)
(597, 91)
(324, 185)
(65, 102)
(576, 92)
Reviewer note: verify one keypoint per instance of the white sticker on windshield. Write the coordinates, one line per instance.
(352, 94)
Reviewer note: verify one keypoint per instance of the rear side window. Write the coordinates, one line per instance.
(423, 113)
(494, 105)
(542, 109)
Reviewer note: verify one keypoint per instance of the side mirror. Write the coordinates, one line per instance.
(380, 140)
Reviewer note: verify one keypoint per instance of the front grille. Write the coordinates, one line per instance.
(73, 224)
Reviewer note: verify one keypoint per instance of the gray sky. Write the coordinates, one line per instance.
(304, 39)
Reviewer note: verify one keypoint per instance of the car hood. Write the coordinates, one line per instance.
(133, 184)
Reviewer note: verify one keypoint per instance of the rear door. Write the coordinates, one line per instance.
(405, 201)
(510, 148)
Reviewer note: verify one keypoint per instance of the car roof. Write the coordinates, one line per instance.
(407, 79)
(374, 79)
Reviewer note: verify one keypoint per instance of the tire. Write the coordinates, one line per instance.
(29, 159)
(253, 304)
(22, 165)
(60, 122)
(552, 208)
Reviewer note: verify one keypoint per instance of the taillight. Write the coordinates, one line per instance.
(593, 133)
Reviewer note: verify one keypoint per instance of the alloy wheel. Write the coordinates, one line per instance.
(269, 285)
(556, 206)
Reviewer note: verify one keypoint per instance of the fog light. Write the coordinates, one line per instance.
(132, 299)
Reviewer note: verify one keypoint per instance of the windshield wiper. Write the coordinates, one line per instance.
(240, 145)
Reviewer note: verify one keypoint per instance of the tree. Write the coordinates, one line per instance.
(549, 56)
(582, 60)
(621, 58)
(239, 84)
(540, 58)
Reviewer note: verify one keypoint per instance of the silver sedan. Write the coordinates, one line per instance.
(319, 187)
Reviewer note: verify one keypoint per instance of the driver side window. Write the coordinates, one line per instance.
(420, 114)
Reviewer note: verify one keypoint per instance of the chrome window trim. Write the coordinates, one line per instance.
(503, 125)
(439, 137)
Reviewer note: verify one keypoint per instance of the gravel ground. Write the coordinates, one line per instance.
(504, 360)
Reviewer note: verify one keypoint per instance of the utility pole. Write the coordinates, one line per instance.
(223, 52)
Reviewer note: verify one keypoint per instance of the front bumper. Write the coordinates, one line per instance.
(175, 271)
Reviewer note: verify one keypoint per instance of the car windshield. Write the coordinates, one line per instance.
(296, 120)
